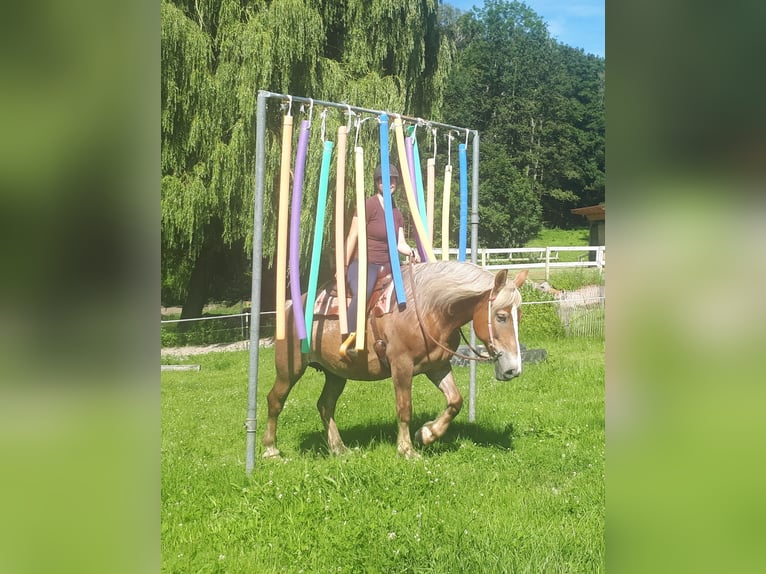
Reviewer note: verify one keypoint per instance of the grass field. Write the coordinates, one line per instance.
(561, 237)
(519, 490)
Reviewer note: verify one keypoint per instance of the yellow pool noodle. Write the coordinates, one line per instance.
(430, 185)
(340, 243)
(411, 200)
(361, 246)
(283, 214)
(445, 212)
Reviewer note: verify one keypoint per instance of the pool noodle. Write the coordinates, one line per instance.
(388, 209)
(445, 212)
(283, 215)
(361, 253)
(411, 165)
(340, 243)
(295, 229)
(463, 235)
(414, 212)
(430, 187)
(316, 250)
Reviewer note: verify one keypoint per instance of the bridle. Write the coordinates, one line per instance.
(493, 353)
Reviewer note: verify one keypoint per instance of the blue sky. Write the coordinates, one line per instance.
(577, 23)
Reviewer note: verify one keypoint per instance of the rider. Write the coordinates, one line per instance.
(377, 247)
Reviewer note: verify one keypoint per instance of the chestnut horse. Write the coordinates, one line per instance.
(419, 337)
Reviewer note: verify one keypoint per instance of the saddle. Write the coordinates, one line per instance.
(381, 300)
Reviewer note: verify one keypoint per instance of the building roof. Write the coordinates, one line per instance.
(593, 213)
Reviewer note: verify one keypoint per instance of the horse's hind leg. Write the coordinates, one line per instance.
(276, 401)
(333, 387)
(435, 429)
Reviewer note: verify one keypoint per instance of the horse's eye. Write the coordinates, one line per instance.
(501, 317)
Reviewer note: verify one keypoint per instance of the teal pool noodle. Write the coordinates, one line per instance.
(316, 250)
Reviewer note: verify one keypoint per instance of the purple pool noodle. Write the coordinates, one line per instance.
(295, 229)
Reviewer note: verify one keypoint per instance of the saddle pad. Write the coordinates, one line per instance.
(381, 301)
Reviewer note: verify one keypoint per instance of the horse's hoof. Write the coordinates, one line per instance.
(424, 436)
(339, 451)
(412, 455)
(409, 453)
(271, 452)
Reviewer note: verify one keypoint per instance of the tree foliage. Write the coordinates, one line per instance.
(216, 55)
(541, 104)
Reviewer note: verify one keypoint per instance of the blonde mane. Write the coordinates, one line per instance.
(441, 284)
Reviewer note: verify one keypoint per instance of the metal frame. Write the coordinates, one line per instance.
(255, 322)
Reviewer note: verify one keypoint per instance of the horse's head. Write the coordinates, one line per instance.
(496, 323)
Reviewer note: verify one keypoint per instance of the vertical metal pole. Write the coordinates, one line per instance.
(255, 299)
(474, 250)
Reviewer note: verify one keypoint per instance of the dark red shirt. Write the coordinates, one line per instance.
(377, 240)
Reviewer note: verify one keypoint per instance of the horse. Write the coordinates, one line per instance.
(418, 337)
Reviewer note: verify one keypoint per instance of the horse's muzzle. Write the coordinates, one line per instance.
(506, 370)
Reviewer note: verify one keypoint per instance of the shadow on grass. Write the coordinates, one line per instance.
(369, 436)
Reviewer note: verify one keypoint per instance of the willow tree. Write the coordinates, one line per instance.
(216, 55)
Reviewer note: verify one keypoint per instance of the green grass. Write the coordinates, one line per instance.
(561, 237)
(519, 490)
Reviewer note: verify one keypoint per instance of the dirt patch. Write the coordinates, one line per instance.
(215, 348)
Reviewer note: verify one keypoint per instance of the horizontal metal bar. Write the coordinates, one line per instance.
(215, 317)
(325, 104)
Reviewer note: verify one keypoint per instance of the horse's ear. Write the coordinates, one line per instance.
(500, 280)
(520, 278)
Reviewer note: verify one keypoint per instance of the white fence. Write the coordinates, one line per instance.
(535, 257)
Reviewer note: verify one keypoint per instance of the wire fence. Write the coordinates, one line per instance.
(578, 320)
(213, 329)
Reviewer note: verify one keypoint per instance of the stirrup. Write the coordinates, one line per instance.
(343, 351)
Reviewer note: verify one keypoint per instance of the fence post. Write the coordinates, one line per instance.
(547, 263)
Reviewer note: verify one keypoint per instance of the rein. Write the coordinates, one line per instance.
(479, 357)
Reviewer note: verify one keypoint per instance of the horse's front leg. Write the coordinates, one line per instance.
(403, 388)
(435, 429)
